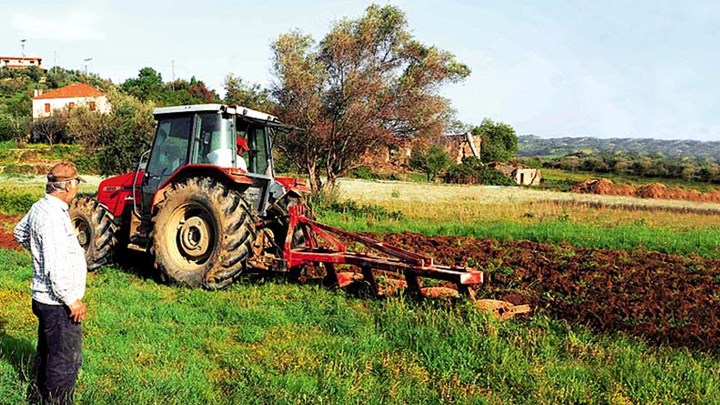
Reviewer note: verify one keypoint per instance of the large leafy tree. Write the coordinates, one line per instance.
(364, 83)
(126, 135)
(499, 141)
(147, 86)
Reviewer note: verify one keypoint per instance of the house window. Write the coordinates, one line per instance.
(47, 107)
(71, 105)
(91, 105)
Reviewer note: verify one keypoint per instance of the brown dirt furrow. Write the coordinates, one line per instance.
(662, 298)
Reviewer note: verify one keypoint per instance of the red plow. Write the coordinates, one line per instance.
(323, 248)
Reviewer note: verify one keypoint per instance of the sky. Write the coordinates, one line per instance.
(642, 69)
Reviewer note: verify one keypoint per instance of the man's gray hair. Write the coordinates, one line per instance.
(55, 186)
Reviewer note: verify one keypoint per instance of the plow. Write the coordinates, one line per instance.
(206, 204)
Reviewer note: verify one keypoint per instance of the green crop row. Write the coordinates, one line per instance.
(704, 242)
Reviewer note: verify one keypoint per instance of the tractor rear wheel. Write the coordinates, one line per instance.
(95, 230)
(203, 233)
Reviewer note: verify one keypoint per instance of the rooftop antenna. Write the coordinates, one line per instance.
(173, 75)
(22, 44)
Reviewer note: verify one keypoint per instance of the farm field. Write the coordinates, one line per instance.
(624, 292)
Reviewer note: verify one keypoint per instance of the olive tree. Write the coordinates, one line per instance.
(367, 81)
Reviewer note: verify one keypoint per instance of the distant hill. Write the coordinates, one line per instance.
(532, 145)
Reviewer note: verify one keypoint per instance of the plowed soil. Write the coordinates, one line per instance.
(7, 240)
(659, 297)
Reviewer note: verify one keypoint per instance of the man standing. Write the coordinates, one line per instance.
(58, 286)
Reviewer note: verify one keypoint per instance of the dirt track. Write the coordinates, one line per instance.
(663, 298)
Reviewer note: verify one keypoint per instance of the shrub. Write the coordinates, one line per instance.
(431, 161)
(15, 203)
(363, 172)
(353, 209)
(472, 171)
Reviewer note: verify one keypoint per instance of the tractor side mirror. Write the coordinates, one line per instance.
(207, 137)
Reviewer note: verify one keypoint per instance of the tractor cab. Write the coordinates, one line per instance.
(195, 136)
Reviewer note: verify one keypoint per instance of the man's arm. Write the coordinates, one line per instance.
(22, 232)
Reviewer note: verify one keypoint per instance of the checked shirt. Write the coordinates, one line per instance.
(59, 267)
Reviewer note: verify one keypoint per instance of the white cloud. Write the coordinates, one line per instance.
(75, 25)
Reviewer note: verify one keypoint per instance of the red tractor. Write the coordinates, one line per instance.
(205, 202)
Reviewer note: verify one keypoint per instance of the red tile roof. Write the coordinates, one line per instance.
(72, 91)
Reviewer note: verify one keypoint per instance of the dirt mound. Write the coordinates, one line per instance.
(603, 187)
(662, 298)
(653, 190)
(595, 186)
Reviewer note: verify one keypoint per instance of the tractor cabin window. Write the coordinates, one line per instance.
(214, 140)
(171, 146)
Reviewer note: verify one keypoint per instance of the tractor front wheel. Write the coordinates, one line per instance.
(203, 233)
(95, 230)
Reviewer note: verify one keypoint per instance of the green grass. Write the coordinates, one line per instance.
(704, 242)
(273, 342)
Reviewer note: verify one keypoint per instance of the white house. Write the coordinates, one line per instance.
(72, 95)
(20, 62)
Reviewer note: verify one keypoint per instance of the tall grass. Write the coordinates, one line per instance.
(704, 242)
(272, 342)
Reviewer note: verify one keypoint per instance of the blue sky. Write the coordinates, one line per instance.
(553, 68)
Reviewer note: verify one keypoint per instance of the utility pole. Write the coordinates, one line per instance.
(173, 75)
(22, 44)
(86, 61)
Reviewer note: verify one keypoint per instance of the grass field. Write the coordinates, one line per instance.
(270, 341)
(273, 342)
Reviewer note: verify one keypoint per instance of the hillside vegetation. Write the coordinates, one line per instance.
(535, 146)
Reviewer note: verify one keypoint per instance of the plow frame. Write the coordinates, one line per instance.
(412, 266)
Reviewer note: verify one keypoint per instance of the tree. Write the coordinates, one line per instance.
(364, 83)
(147, 86)
(247, 95)
(182, 92)
(127, 134)
(85, 126)
(15, 117)
(431, 160)
(499, 142)
(14, 127)
(50, 129)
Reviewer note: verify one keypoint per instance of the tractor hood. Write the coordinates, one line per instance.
(114, 191)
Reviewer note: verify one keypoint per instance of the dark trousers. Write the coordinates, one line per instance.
(59, 354)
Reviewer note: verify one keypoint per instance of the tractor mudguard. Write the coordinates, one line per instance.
(116, 192)
(232, 175)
